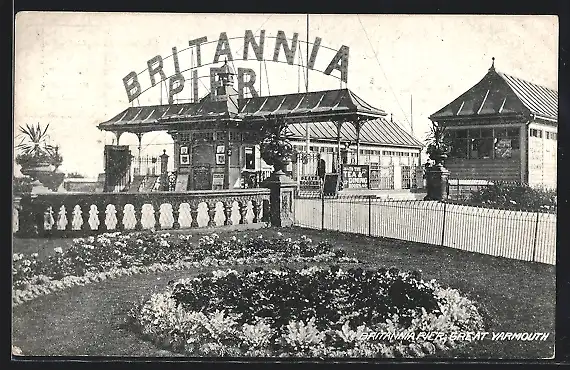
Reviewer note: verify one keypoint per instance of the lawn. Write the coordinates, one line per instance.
(513, 296)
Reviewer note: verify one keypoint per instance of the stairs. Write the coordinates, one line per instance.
(136, 183)
(148, 183)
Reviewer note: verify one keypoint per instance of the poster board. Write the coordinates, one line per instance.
(217, 181)
(355, 176)
(201, 178)
(330, 184)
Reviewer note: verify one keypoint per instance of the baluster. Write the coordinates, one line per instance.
(194, 214)
(156, 207)
(102, 215)
(265, 205)
(85, 209)
(48, 220)
(176, 215)
(211, 213)
(228, 205)
(138, 211)
(69, 214)
(256, 210)
(58, 214)
(243, 212)
(120, 209)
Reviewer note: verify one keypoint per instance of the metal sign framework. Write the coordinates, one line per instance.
(176, 80)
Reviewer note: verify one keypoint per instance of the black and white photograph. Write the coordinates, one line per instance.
(284, 186)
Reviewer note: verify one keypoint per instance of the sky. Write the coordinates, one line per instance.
(69, 67)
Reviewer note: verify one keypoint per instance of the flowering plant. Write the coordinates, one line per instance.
(96, 254)
(316, 311)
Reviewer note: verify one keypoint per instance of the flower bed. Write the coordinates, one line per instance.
(115, 254)
(324, 312)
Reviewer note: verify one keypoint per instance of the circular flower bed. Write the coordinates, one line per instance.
(324, 312)
(115, 254)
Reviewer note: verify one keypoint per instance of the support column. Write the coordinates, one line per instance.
(118, 136)
(358, 125)
(228, 156)
(338, 156)
(139, 136)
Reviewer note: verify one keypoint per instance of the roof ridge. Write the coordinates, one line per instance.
(527, 81)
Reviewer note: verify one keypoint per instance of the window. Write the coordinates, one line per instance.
(474, 133)
(459, 148)
(206, 136)
(535, 133)
(249, 158)
(235, 136)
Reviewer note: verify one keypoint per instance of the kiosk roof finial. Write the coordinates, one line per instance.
(492, 64)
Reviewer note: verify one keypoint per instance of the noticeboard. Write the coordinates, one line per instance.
(330, 184)
(355, 176)
(217, 181)
(201, 178)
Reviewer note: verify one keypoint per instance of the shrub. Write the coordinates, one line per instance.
(516, 197)
(21, 185)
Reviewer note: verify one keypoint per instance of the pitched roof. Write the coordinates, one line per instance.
(378, 131)
(502, 94)
(539, 100)
(301, 107)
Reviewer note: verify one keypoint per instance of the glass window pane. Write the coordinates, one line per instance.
(503, 148)
(459, 148)
(500, 132)
(475, 133)
(515, 142)
(486, 132)
(461, 133)
(486, 148)
(473, 148)
(513, 132)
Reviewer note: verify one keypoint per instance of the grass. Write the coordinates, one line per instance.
(513, 296)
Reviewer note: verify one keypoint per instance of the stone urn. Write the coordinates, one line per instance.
(280, 164)
(45, 173)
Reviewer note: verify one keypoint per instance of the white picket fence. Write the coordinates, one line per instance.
(526, 236)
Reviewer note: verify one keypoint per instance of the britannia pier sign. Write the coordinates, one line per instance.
(156, 72)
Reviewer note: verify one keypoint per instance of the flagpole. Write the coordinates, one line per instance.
(308, 134)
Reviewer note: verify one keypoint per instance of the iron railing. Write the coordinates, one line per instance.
(528, 236)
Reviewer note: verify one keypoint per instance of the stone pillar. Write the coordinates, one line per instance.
(419, 174)
(164, 170)
(397, 177)
(437, 183)
(282, 187)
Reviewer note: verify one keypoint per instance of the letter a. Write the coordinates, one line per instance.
(342, 57)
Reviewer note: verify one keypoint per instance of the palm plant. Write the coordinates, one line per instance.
(439, 144)
(275, 147)
(34, 147)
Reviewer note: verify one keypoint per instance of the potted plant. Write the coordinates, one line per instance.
(275, 147)
(439, 146)
(37, 157)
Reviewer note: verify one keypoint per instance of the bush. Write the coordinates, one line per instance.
(516, 197)
(21, 185)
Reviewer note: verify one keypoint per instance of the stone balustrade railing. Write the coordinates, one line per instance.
(71, 214)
